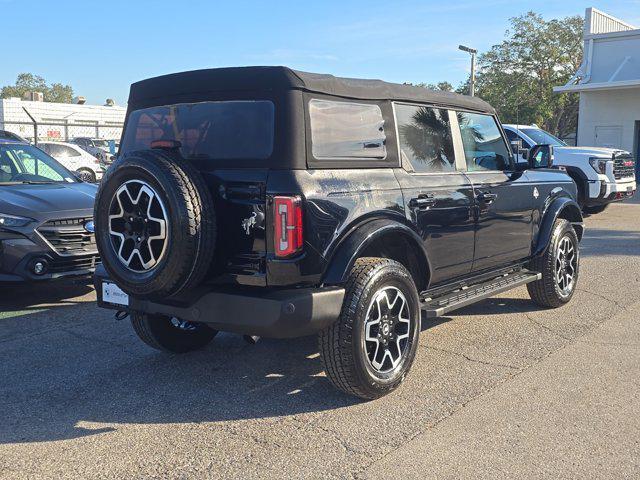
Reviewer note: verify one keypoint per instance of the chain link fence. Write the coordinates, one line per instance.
(63, 132)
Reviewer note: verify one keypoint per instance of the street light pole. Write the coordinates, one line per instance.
(472, 52)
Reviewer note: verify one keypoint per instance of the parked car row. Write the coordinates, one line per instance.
(87, 157)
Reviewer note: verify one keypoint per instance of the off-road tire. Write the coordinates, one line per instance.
(158, 332)
(546, 292)
(341, 345)
(595, 209)
(191, 220)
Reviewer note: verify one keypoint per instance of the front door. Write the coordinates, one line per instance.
(504, 198)
(439, 199)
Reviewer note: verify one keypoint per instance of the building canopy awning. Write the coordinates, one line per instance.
(585, 87)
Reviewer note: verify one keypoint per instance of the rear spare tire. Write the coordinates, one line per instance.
(155, 224)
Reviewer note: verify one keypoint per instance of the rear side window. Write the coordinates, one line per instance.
(425, 138)
(484, 147)
(228, 130)
(345, 130)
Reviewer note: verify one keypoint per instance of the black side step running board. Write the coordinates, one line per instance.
(438, 306)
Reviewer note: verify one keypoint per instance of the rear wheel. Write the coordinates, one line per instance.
(560, 267)
(371, 347)
(171, 334)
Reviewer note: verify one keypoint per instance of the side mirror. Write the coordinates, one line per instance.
(541, 156)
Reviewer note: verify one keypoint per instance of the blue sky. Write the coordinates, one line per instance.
(101, 47)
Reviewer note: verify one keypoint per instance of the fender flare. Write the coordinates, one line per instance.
(357, 241)
(561, 207)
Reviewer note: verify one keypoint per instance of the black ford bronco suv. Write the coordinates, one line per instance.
(271, 202)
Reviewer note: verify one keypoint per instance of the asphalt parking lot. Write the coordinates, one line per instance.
(500, 389)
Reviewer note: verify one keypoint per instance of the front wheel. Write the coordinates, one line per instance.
(559, 265)
(171, 334)
(371, 347)
(596, 209)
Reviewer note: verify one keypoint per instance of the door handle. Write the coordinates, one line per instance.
(423, 201)
(487, 197)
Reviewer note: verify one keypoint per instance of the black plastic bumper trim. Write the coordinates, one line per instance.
(275, 313)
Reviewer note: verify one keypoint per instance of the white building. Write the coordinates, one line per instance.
(60, 121)
(609, 84)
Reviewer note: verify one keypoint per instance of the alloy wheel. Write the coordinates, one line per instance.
(138, 226)
(387, 329)
(566, 265)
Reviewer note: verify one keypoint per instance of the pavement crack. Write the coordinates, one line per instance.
(545, 327)
(470, 359)
(604, 297)
(335, 435)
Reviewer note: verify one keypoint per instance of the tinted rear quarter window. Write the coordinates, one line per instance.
(226, 130)
(346, 130)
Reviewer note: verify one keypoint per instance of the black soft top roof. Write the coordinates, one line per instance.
(166, 88)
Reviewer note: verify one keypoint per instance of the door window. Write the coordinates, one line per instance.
(346, 130)
(68, 151)
(484, 146)
(425, 138)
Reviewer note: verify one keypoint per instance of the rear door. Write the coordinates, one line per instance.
(504, 197)
(438, 198)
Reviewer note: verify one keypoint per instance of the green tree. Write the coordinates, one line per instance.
(441, 86)
(28, 82)
(517, 76)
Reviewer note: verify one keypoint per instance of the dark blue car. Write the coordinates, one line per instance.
(46, 217)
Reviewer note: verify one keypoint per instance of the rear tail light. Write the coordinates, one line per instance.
(288, 235)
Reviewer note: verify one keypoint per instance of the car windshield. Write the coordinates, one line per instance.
(542, 138)
(100, 143)
(227, 130)
(21, 163)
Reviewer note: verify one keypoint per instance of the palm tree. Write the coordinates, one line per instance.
(429, 138)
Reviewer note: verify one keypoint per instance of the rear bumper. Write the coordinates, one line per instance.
(279, 313)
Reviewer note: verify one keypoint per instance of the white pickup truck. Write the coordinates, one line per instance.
(603, 175)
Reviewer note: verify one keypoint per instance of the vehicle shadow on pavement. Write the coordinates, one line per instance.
(90, 380)
(99, 383)
(599, 242)
(36, 296)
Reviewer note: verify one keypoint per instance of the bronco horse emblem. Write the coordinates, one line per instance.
(249, 223)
